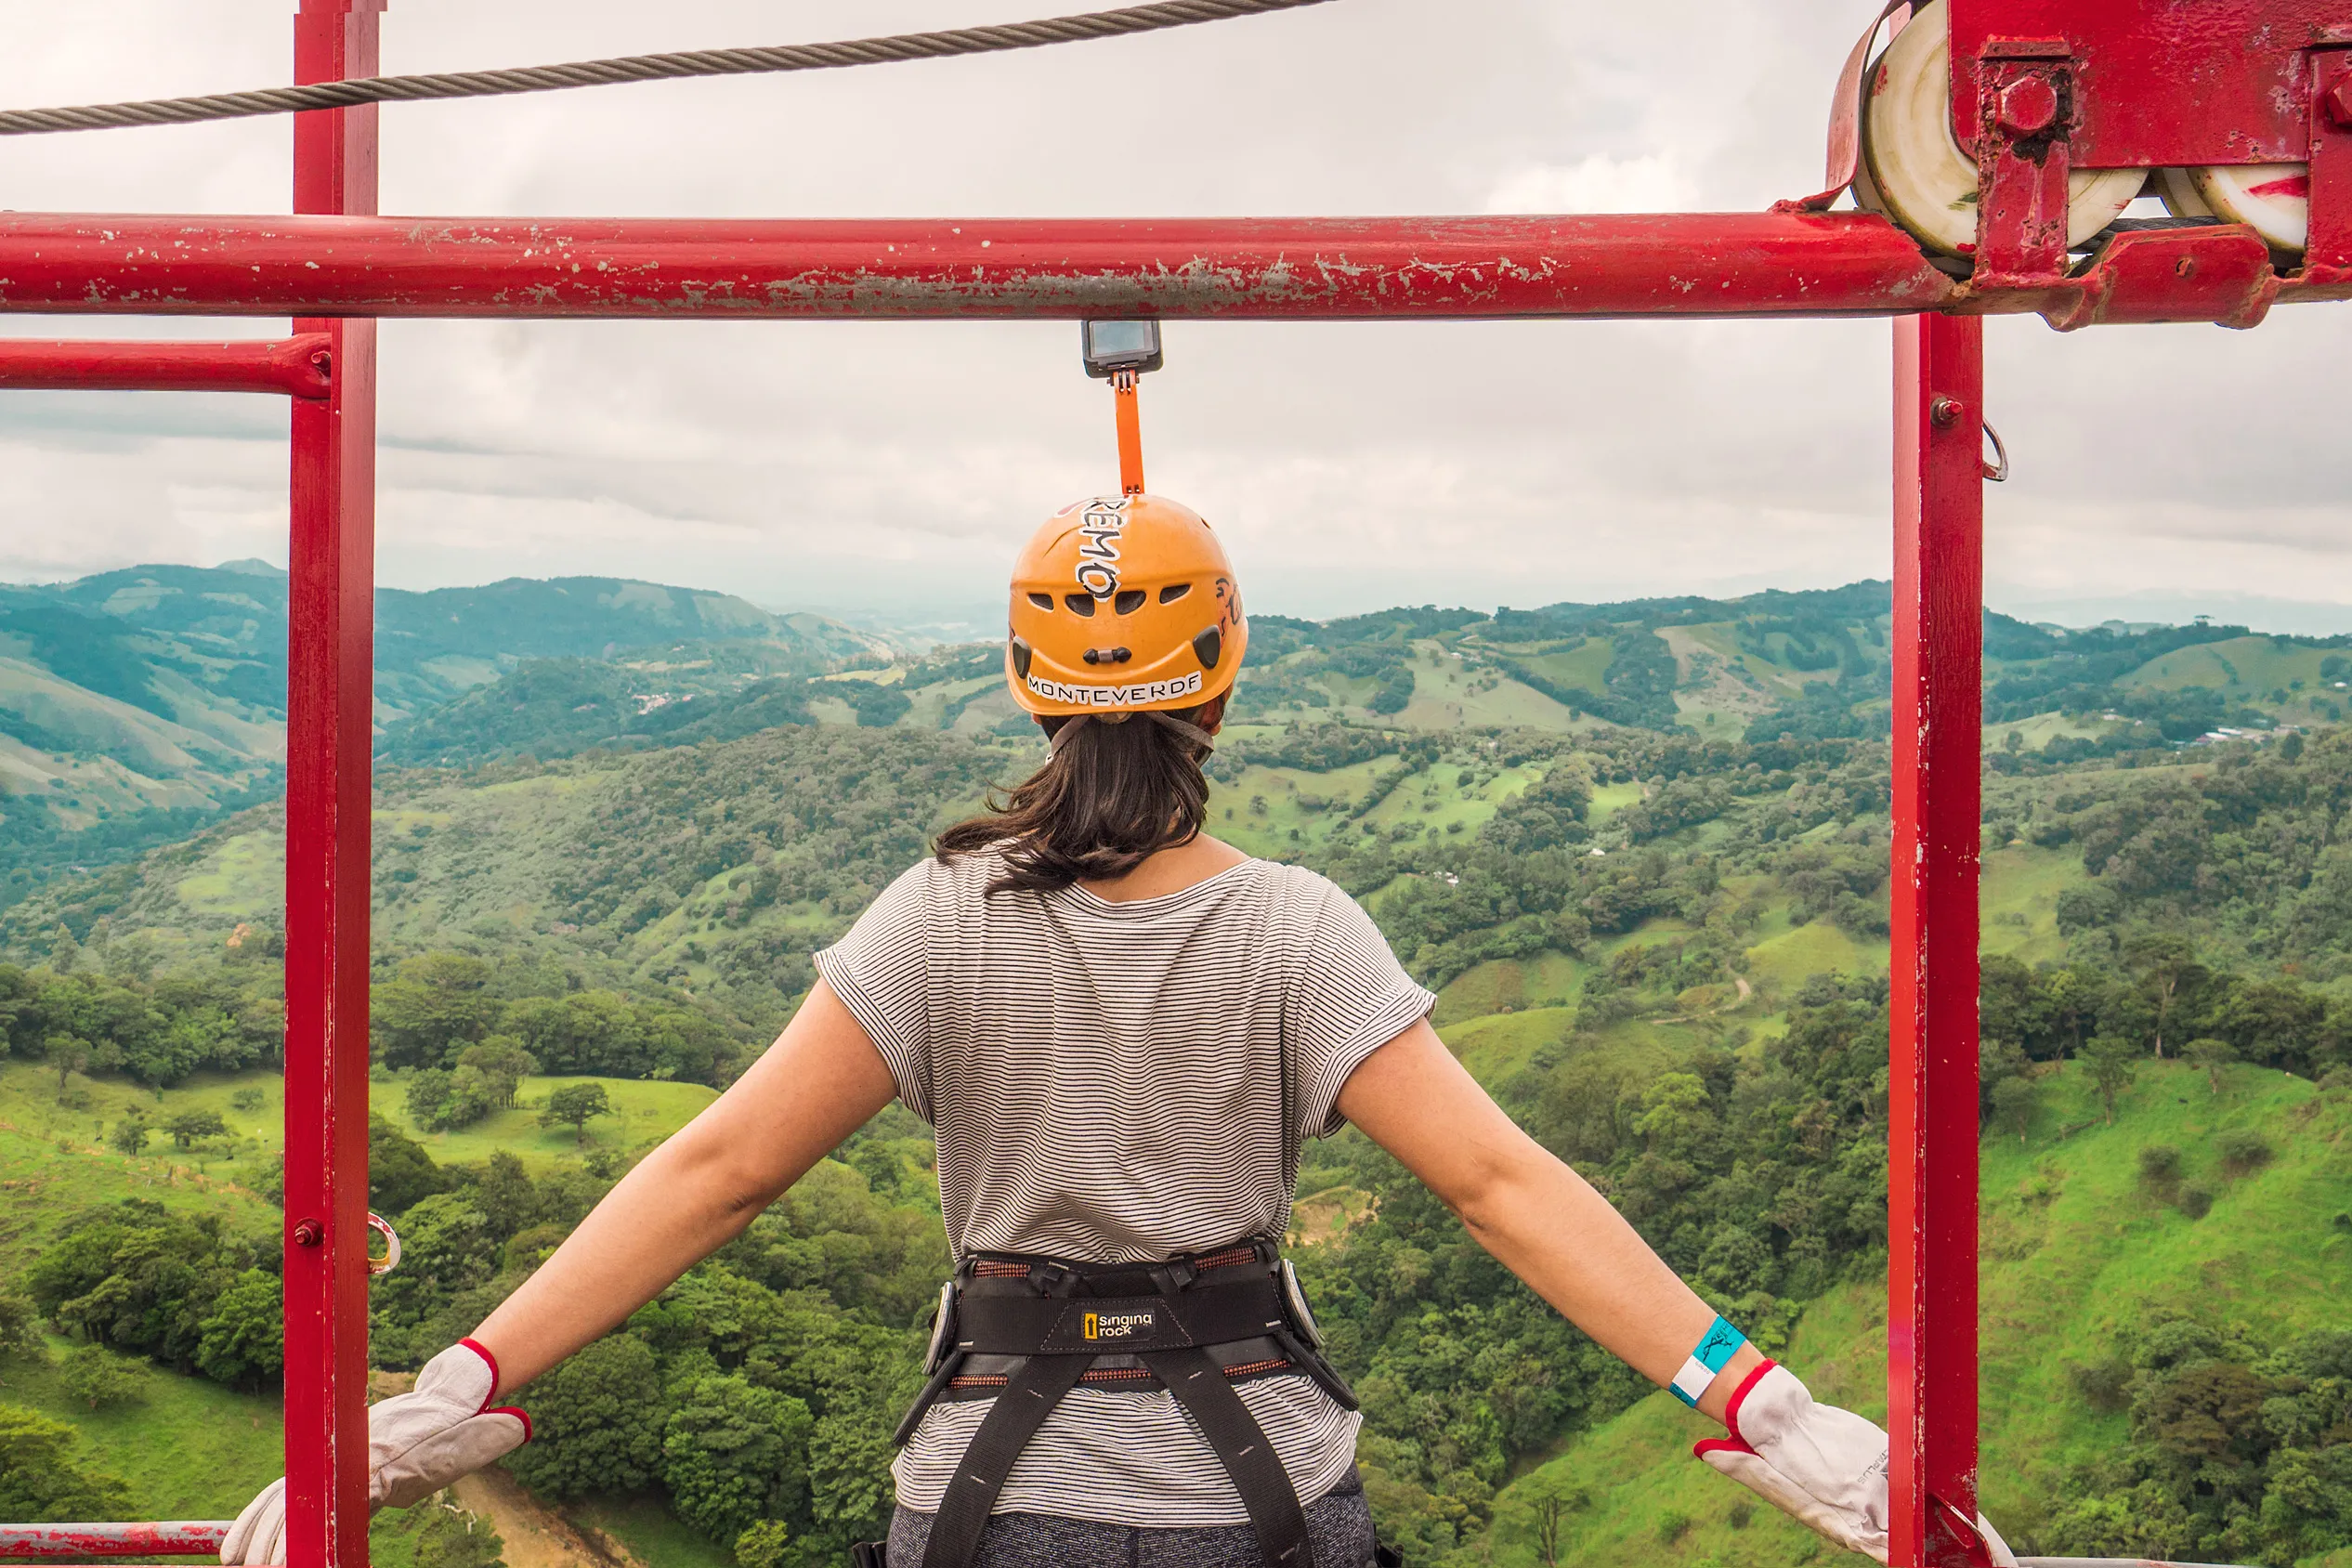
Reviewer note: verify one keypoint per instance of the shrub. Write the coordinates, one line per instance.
(248, 1100)
(1672, 1528)
(2159, 1165)
(2243, 1151)
(2196, 1199)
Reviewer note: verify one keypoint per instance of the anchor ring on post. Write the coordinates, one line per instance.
(391, 1259)
(1996, 471)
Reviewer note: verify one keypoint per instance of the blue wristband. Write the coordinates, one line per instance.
(1713, 1351)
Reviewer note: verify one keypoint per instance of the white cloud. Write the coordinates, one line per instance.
(1649, 183)
(887, 464)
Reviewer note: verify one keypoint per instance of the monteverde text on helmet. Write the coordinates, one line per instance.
(1116, 696)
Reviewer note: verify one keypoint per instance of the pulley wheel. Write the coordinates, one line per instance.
(2274, 200)
(1913, 169)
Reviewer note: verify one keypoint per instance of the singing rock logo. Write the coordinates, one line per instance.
(1117, 1326)
(1101, 525)
(1115, 695)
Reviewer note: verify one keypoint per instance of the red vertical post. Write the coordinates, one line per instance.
(329, 699)
(1931, 1135)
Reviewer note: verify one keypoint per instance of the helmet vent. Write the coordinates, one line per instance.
(1210, 647)
(1080, 603)
(1130, 600)
(1174, 591)
(1043, 601)
(1020, 659)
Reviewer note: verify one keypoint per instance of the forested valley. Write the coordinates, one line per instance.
(1656, 922)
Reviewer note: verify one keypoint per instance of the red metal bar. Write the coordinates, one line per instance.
(297, 366)
(328, 711)
(35, 1543)
(1614, 265)
(1931, 1135)
(1721, 264)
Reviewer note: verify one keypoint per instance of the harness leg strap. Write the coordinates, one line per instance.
(1240, 1445)
(1027, 1401)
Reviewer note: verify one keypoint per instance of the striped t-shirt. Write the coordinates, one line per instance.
(1123, 1082)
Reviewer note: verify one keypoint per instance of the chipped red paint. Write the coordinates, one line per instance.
(1932, 1133)
(2163, 83)
(35, 1543)
(296, 366)
(330, 617)
(1683, 263)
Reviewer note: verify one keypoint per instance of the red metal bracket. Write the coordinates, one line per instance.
(2330, 245)
(2223, 276)
(300, 366)
(2021, 163)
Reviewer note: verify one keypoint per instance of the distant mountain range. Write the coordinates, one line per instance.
(136, 704)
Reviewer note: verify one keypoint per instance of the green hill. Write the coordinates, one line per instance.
(1664, 952)
(136, 703)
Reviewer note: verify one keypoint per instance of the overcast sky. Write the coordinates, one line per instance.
(895, 468)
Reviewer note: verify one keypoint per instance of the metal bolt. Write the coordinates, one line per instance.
(308, 1233)
(2028, 106)
(2337, 102)
(1944, 413)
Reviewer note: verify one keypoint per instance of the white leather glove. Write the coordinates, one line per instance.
(418, 1442)
(1823, 1467)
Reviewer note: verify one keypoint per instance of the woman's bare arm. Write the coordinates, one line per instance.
(1539, 1217)
(820, 1082)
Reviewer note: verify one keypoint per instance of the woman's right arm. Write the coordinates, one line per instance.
(820, 1082)
(1540, 1219)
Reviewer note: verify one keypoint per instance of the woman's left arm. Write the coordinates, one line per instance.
(820, 1082)
(1540, 1219)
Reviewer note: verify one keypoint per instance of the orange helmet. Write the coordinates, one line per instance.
(1123, 604)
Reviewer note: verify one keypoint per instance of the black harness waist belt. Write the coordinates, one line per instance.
(1161, 1322)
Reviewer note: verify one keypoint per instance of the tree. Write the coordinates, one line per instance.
(2013, 1103)
(596, 1422)
(428, 1092)
(99, 1377)
(577, 1104)
(42, 1479)
(765, 1545)
(247, 1100)
(2169, 968)
(19, 1325)
(400, 1171)
(502, 1061)
(67, 1054)
(2211, 1054)
(735, 1454)
(130, 1134)
(2113, 1062)
(188, 1126)
(245, 1338)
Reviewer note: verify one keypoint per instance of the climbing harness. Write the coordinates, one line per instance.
(1023, 1330)
(639, 68)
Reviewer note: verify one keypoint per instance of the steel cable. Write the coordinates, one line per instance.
(641, 68)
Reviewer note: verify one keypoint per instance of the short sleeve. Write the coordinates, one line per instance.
(879, 971)
(1352, 997)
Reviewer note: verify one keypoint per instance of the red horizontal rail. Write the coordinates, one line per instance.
(1725, 263)
(295, 366)
(35, 1542)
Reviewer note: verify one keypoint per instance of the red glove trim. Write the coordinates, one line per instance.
(1701, 1449)
(483, 1351)
(520, 1415)
(1731, 1411)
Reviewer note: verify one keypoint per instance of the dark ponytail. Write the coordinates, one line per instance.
(1112, 795)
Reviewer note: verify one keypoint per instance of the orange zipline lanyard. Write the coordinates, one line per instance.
(1130, 433)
